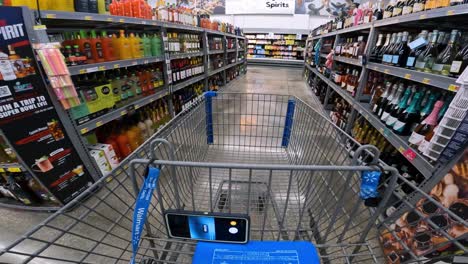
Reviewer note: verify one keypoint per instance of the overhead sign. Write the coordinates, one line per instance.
(234, 7)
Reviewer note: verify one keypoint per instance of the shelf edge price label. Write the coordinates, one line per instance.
(453, 88)
(14, 169)
(50, 16)
(110, 19)
(123, 112)
(137, 106)
(409, 154)
(88, 18)
(423, 16)
(386, 71)
(116, 66)
(102, 68)
(426, 81)
(401, 149)
(450, 12)
(122, 20)
(84, 130)
(407, 76)
(2, 170)
(82, 71)
(98, 123)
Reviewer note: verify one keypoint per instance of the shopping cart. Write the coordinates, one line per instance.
(271, 157)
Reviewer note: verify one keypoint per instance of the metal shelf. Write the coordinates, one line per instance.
(346, 30)
(11, 167)
(215, 52)
(400, 143)
(115, 114)
(434, 13)
(13, 204)
(440, 81)
(188, 82)
(109, 19)
(273, 60)
(231, 50)
(347, 60)
(95, 67)
(210, 73)
(185, 55)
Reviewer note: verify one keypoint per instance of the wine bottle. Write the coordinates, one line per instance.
(460, 60)
(398, 108)
(392, 52)
(426, 107)
(378, 91)
(425, 60)
(381, 102)
(378, 12)
(406, 119)
(408, 7)
(393, 100)
(414, 53)
(398, 8)
(426, 126)
(419, 5)
(375, 50)
(443, 62)
(389, 10)
(386, 56)
(385, 46)
(344, 79)
(401, 51)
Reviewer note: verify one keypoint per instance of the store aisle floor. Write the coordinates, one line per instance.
(264, 80)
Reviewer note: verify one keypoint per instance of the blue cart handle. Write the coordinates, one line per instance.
(141, 207)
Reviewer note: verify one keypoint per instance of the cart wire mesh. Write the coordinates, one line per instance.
(272, 157)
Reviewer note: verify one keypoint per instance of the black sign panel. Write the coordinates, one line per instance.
(28, 118)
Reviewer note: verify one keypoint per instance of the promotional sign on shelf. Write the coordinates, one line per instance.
(285, 7)
(28, 118)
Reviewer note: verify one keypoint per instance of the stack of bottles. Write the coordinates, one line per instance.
(121, 137)
(205, 22)
(174, 14)
(185, 97)
(217, 61)
(368, 12)
(186, 68)
(130, 8)
(215, 43)
(215, 82)
(351, 47)
(232, 73)
(435, 52)
(347, 76)
(21, 187)
(340, 112)
(231, 57)
(101, 92)
(183, 43)
(409, 110)
(230, 43)
(87, 48)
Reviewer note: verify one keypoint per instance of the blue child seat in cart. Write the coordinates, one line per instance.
(256, 252)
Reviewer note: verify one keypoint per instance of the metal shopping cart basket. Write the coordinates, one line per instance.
(272, 157)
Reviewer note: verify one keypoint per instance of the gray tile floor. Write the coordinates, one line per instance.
(264, 80)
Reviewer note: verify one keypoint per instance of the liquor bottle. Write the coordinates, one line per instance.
(389, 9)
(408, 7)
(383, 48)
(414, 53)
(352, 82)
(378, 12)
(442, 41)
(344, 79)
(394, 48)
(361, 46)
(377, 109)
(425, 60)
(368, 13)
(426, 126)
(419, 5)
(400, 53)
(373, 57)
(406, 119)
(398, 108)
(398, 8)
(393, 100)
(443, 62)
(386, 56)
(459, 62)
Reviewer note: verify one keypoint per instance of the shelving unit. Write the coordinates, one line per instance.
(432, 19)
(292, 52)
(58, 21)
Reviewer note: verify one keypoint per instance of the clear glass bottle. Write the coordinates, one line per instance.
(425, 60)
(443, 62)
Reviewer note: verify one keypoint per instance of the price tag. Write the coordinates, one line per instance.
(122, 20)
(92, 69)
(151, 100)
(407, 76)
(426, 81)
(40, 27)
(98, 123)
(109, 19)
(116, 66)
(146, 61)
(14, 169)
(102, 68)
(82, 71)
(423, 16)
(134, 63)
(450, 12)
(453, 88)
(143, 22)
(88, 18)
(50, 16)
(123, 112)
(401, 149)
(386, 71)
(2, 170)
(137, 106)
(409, 154)
(84, 130)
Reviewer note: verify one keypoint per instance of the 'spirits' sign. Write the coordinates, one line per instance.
(274, 4)
(283, 7)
